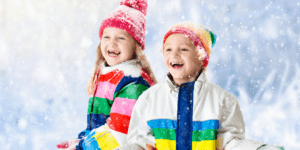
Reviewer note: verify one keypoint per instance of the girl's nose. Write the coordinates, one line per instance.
(112, 42)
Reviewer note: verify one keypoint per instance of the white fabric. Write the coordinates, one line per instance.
(210, 102)
(269, 147)
(130, 67)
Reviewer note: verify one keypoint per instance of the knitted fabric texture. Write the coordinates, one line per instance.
(129, 16)
(200, 36)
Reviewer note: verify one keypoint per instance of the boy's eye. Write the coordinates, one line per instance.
(168, 49)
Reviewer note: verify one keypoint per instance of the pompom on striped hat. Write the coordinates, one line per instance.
(129, 16)
(200, 36)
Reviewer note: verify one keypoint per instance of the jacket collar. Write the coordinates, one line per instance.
(120, 66)
(174, 88)
(170, 82)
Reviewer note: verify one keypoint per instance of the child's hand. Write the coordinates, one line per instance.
(68, 144)
(151, 147)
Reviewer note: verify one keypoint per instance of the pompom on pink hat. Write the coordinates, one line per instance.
(129, 16)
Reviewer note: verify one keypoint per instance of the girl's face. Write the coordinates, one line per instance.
(181, 58)
(117, 46)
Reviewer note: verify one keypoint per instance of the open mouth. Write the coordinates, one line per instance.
(176, 65)
(113, 53)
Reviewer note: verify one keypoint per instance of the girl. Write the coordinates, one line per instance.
(121, 74)
(187, 112)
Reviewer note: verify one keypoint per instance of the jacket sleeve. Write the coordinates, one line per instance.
(231, 133)
(81, 135)
(122, 106)
(139, 133)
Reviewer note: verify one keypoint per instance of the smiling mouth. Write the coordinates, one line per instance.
(113, 53)
(176, 65)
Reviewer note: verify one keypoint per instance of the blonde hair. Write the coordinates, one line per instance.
(100, 60)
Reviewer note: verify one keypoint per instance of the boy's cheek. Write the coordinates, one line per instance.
(166, 64)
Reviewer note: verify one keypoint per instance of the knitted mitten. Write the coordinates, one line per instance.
(68, 144)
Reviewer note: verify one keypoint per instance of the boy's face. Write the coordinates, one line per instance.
(117, 46)
(181, 58)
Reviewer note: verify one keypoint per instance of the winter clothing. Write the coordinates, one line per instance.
(197, 115)
(68, 144)
(116, 91)
(270, 147)
(118, 87)
(129, 16)
(200, 36)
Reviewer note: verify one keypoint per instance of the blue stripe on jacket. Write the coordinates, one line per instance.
(129, 80)
(172, 124)
(162, 123)
(185, 116)
(97, 121)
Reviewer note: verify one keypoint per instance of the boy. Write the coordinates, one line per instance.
(188, 112)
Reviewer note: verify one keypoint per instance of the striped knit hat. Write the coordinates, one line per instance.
(129, 16)
(200, 36)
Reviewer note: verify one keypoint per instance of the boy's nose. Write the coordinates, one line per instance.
(175, 54)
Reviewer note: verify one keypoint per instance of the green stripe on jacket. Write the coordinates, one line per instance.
(101, 105)
(170, 134)
(209, 134)
(131, 91)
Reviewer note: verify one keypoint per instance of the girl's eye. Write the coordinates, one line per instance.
(168, 49)
(183, 49)
(106, 37)
(121, 38)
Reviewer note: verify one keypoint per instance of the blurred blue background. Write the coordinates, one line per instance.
(47, 51)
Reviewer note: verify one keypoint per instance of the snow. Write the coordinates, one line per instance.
(47, 52)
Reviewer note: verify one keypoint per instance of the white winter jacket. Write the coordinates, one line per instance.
(196, 115)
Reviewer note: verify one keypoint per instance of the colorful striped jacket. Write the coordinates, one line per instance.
(115, 93)
(197, 115)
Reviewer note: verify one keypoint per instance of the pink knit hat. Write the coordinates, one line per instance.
(129, 16)
(200, 36)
